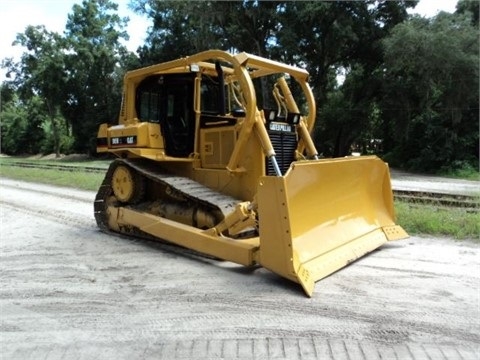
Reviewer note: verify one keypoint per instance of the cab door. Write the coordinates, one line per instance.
(168, 100)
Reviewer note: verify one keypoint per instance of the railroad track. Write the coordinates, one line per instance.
(467, 202)
(60, 167)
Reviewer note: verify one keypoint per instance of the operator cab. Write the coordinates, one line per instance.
(168, 100)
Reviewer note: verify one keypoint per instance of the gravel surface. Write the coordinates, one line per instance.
(69, 291)
(435, 184)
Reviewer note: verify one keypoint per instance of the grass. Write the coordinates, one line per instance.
(427, 219)
(416, 219)
(465, 172)
(75, 179)
(4, 161)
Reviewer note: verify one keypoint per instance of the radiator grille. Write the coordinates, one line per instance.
(284, 144)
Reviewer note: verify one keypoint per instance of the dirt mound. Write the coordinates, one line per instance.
(63, 157)
(75, 157)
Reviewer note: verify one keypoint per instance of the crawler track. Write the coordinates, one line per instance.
(194, 192)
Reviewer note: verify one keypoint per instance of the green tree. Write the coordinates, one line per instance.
(77, 77)
(472, 8)
(21, 126)
(93, 64)
(181, 28)
(431, 92)
(250, 26)
(328, 36)
(178, 29)
(40, 77)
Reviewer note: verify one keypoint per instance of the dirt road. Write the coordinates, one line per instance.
(71, 292)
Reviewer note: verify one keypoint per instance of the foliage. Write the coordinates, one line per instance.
(92, 90)
(431, 92)
(25, 129)
(65, 140)
(21, 127)
(472, 8)
(328, 36)
(181, 28)
(76, 76)
(461, 170)
(40, 73)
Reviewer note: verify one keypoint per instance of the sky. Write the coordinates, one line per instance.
(16, 15)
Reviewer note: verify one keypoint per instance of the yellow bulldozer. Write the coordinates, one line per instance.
(213, 153)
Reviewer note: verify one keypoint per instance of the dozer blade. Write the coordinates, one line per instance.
(324, 214)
